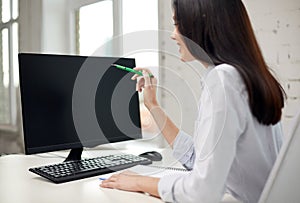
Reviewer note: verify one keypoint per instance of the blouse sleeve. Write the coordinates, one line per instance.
(183, 149)
(220, 122)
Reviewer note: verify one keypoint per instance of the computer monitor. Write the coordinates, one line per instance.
(70, 102)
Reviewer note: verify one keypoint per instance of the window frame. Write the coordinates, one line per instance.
(13, 90)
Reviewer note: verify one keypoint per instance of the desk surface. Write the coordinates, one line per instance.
(17, 184)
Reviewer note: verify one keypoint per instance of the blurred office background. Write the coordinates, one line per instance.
(106, 27)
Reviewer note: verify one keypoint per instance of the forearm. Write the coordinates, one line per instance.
(148, 184)
(164, 123)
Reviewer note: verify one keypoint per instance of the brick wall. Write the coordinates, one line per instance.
(277, 28)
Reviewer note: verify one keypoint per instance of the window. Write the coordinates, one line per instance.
(9, 78)
(101, 21)
(95, 27)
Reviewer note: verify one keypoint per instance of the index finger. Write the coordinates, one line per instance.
(135, 76)
(147, 79)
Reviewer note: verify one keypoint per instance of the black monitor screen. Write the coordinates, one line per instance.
(75, 101)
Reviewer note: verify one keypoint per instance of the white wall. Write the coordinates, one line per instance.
(55, 27)
(30, 25)
(44, 26)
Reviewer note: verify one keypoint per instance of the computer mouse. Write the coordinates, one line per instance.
(152, 155)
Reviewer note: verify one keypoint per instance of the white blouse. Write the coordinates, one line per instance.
(229, 152)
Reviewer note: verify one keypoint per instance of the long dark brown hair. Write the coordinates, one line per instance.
(223, 29)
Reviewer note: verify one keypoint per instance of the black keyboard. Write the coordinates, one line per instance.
(74, 170)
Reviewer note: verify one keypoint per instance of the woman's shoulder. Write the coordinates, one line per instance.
(227, 75)
(228, 71)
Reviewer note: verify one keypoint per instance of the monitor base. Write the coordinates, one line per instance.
(75, 154)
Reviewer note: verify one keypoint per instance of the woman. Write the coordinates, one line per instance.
(237, 133)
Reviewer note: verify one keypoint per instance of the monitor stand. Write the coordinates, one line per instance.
(75, 154)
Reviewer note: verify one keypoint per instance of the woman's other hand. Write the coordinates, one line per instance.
(130, 181)
(123, 181)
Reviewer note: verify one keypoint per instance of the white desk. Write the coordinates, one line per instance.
(17, 184)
